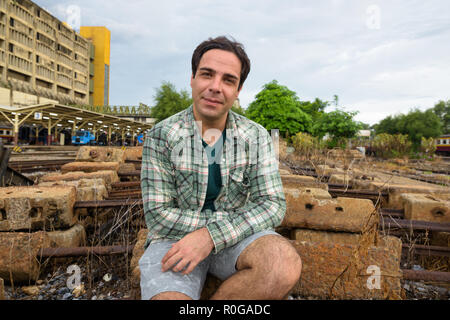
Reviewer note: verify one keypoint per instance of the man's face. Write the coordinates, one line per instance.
(215, 86)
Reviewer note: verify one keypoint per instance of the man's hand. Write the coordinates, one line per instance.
(191, 249)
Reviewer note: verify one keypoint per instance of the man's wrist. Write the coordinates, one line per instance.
(208, 236)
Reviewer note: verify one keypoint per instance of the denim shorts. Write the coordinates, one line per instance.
(221, 265)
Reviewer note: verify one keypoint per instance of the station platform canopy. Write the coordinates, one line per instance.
(61, 117)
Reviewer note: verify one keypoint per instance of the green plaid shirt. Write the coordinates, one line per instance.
(174, 179)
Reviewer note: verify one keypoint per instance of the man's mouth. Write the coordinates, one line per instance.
(212, 101)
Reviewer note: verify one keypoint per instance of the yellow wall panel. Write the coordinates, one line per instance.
(101, 38)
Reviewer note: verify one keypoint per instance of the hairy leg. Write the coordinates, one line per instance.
(267, 270)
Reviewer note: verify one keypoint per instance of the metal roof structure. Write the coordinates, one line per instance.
(49, 116)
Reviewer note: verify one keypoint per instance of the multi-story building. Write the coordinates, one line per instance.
(100, 38)
(42, 59)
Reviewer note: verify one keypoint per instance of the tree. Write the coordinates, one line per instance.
(442, 110)
(416, 124)
(315, 109)
(277, 107)
(338, 125)
(169, 101)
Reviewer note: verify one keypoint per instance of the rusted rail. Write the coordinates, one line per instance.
(395, 213)
(417, 275)
(426, 250)
(84, 251)
(392, 223)
(107, 203)
(136, 173)
(125, 184)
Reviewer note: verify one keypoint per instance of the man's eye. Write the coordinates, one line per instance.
(206, 74)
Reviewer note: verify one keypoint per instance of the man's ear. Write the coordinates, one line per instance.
(192, 78)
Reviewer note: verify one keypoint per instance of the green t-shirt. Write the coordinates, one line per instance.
(214, 154)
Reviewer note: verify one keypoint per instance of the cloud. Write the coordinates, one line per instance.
(316, 48)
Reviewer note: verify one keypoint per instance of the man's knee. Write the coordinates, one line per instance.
(171, 295)
(275, 259)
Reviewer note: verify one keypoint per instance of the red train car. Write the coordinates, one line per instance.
(443, 145)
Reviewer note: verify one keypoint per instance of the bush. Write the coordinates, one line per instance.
(391, 146)
(428, 147)
(305, 144)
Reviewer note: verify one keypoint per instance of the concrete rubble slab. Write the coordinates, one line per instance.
(37, 208)
(100, 154)
(349, 271)
(2, 289)
(304, 210)
(426, 207)
(325, 236)
(87, 189)
(18, 255)
(297, 181)
(73, 237)
(107, 175)
(89, 166)
(133, 153)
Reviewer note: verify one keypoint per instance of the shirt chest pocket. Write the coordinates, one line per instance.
(185, 187)
(238, 186)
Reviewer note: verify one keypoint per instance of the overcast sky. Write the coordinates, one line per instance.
(380, 57)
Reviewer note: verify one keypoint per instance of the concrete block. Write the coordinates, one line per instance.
(284, 172)
(297, 181)
(87, 189)
(305, 211)
(2, 289)
(395, 191)
(324, 170)
(18, 255)
(89, 166)
(347, 271)
(107, 175)
(133, 153)
(100, 154)
(425, 207)
(325, 236)
(37, 207)
(73, 237)
(127, 167)
(341, 179)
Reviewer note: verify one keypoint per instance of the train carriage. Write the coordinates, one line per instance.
(443, 145)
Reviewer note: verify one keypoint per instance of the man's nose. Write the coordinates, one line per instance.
(215, 85)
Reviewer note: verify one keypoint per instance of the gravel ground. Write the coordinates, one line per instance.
(104, 284)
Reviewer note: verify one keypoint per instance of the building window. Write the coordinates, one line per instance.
(11, 47)
(11, 22)
(37, 59)
(38, 13)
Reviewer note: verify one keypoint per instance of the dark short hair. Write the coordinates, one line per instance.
(222, 43)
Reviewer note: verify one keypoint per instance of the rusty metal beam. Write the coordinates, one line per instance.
(416, 275)
(126, 184)
(395, 213)
(83, 251)
(107, 203)
(392, 223)
(426, 250)
(135, 173)
(369, 193)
